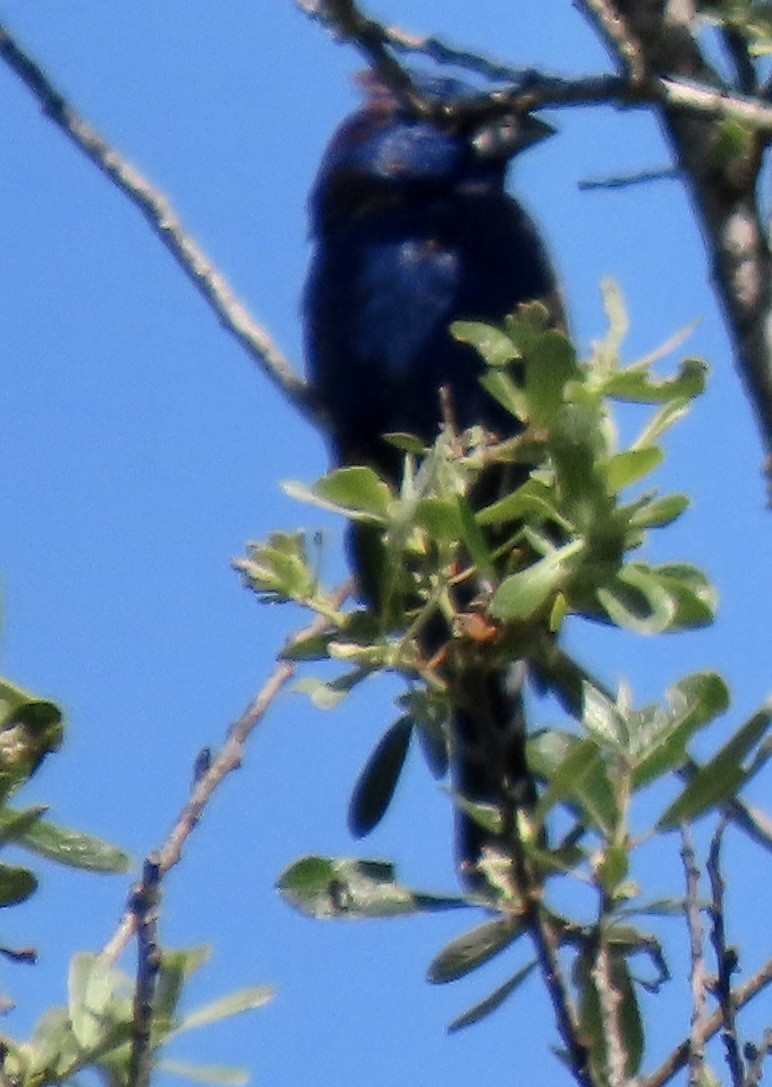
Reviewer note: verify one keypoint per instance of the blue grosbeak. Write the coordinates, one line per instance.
(413, 230)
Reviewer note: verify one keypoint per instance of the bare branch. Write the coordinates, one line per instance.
(617, 36)
(697, 960)
(726, 961)
(164, 222)
(679, 1058)
(723, 189)
(227, 759)
(144, 904)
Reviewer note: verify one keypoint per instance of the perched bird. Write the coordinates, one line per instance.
(413, 229)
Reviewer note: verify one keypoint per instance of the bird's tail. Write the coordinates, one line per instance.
(489, 766)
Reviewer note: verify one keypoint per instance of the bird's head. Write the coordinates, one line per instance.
(383, 148)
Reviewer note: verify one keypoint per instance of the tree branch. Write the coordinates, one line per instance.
(164, 222)
(209, 777)
(722, 187)
(144, 906)
(654, 45)
(679, 1058)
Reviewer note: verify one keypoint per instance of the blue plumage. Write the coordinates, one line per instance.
(413, 229)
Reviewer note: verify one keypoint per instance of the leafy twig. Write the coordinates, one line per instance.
(227, 759)
(679, 1057)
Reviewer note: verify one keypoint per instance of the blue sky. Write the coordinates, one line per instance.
(140, 449)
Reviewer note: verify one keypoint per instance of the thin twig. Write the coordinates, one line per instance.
(726, 961)
(756, 1057)
(617, 36)
(227, 759)
(610, 1002)
(158, 211)
(144, 906)
(697, 960)
(679, 1058)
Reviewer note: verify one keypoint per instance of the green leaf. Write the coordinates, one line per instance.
(635, 599)
(355, 490)
(440, 517)
(30, 729)
(624, 469)
(605, 722)
(719, 779)
(91, 983)
(550, 365)
(71, 848)
(177, 965)
(15, 824)
(470, 950)
(226, 1007)
(576, 775)
(661, 736)
(52, 1051)
(613, 868)
(279, 568)
(492, 1002)
(522, 594)
(506, 392)
(325, 888)
(491, 343)
(16, 885)
(659, 512)
(378, 780)
(222, 1075)
(636, 385)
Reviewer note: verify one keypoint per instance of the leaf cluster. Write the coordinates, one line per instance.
(496, 543)
(95, 1029)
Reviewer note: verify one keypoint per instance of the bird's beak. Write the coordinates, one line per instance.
(508, 135)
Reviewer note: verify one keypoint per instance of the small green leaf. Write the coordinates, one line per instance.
(325, 888)
(15, 824)
(356, 490)
(524, 593)
(177, 965)
(378, 780)
(719, 779)
(605, 722)
(470, 950)
(222, 1075)
(636, 599)
(16, 885)
(71, 848)
(90, 989)
(659, 512)
(613, 868)
(440, 517)
(492, 1002)
(246, 1000)
(491, 343)
(624, 469)
(661, 735)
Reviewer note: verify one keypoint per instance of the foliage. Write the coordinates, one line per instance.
(564, 540)
(96, 1027)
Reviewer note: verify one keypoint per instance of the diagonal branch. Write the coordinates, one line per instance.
(164, 222)
(214, 771)
(679, 1058)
